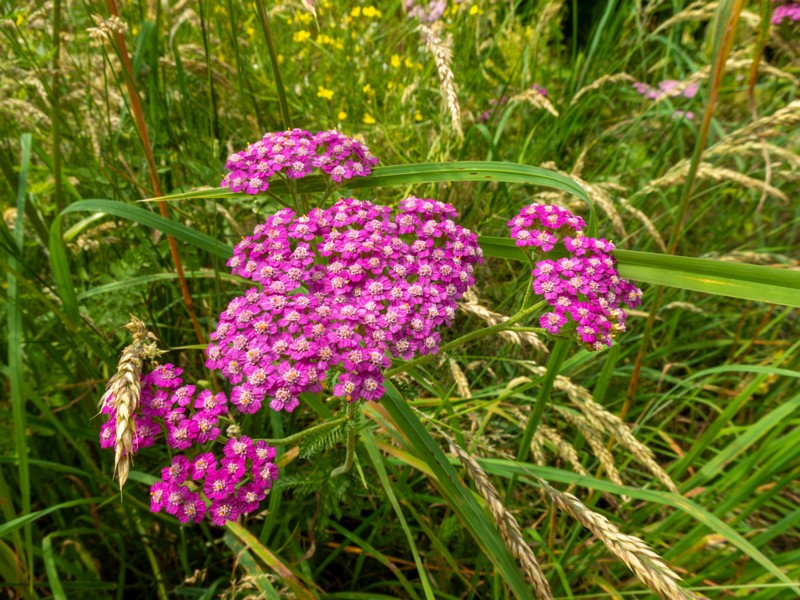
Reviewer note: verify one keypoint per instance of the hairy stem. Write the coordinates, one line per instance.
(289, 440)
(351, 443)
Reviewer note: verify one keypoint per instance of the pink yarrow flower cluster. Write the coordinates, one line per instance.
(789, 12)
(185, 417)
(295, 154)
(341, 291)
(584, 288)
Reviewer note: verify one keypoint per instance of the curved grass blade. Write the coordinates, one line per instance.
(377, 461)
(410, 174)
(458, 496)
(289, 577)
(137, 214)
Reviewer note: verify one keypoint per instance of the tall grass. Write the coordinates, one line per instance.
(704, 467)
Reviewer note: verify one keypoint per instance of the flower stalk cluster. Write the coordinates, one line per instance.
(583, 289)
(192, 488)
(295, 154)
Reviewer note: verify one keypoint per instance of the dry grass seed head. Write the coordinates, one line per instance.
(506, 523)
(124, 391)
(601, 81)
(442, 52)
(648, 566)
(536, 100)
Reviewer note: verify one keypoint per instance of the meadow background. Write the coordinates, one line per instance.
(706, 469)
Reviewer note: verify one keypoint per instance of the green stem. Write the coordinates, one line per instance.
(288, 441)
(276, 70)
(474, 335)
(557, 356)
(351, 443)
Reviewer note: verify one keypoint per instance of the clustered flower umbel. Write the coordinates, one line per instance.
(295, 154)
(789, 12)
(233, 485)
(584, 288)
(341, 291)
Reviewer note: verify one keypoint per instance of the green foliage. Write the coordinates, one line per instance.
(716, 396)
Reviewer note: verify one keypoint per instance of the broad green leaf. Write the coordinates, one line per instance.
(736, 280)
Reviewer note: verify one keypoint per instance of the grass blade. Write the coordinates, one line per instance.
(15, 368)
(457, 494)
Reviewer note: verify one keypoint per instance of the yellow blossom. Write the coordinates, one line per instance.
(249, 31)
(301, 36)
(303, 17)
(324, 93)
(395, 60)
(418, 116)
(280, 59)
(342, 115)
(390, 85)
(356, 12)
(409, 63)
(475, 10)
(369, 119)
(367, 89)
(371, 11)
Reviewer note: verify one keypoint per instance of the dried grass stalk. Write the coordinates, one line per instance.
(597, 83)
(123, 392)
(648, 224)
(648, 566)
(597, 420)
(531, 96)
(472, 306)
(717, 174)
(442, 52)
(462, 384)
(564, 450)
(509, 528)
(592, 433)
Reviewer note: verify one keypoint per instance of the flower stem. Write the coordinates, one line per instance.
(351, 443)
(287, 441)
(474, 335)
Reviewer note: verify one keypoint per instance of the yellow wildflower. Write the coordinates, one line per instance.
(475, 10)
(418, 116)
(342, 115)
(390, 85)
(395, 60)
(371, 11)
(324, 93)
(409, 63)
(356, 12)
(303, 17)
(368, 91)
(369, 119)
(301, 36)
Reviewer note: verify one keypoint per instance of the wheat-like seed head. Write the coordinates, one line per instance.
(599, 82)
(534, 98)
(597, 420)
(462, 384)
(648, 566)
(509, 528)
(471, 305)
(123, 392)
(442, 52)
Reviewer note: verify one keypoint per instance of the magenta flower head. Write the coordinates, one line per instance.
(384, 285)
(294, 154)
(583, 289)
